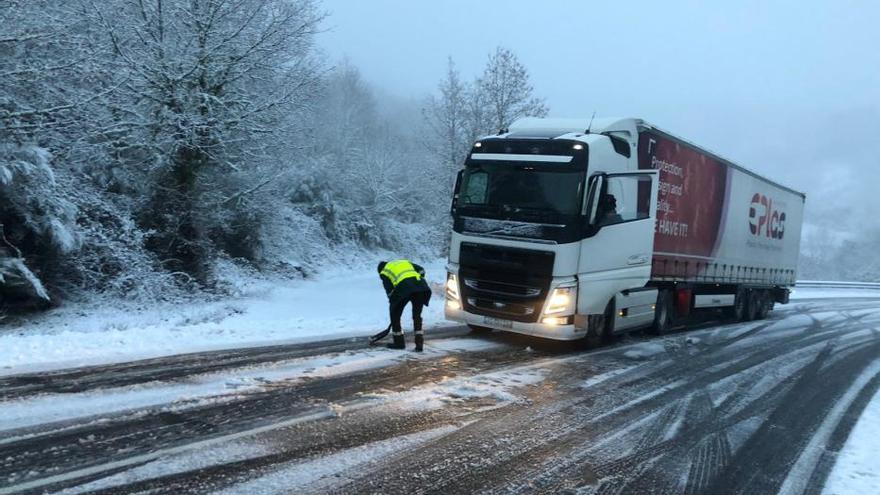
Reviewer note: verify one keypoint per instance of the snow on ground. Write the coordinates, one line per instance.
(596, 380)
(325, 472)
(343, 303)
(799, 475)
(644, 351)
(857, 469)
(498, 385)
(191, 460)
(811, 293)
(175, 396)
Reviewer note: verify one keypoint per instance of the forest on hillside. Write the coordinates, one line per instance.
(150, 149)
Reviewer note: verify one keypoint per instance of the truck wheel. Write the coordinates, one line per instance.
(752, 305)
(600, 329)
(662, 313)
(595, 332)
(737, 312)
(480, 330)
(765, 305)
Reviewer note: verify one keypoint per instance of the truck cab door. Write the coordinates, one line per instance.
(616, 253)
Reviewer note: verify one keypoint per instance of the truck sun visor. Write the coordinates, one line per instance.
(522, 158)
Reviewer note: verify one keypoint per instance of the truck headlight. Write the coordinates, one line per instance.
(561, 299)
(452, 287)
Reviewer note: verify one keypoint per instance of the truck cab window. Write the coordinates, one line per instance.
(624, 200)
(545, 193)
(475, 187)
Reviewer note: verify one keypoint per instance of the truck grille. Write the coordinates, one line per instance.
(502, 289)
(504, 282)
(502, 309)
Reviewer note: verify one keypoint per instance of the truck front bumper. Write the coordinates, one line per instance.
(554, 332)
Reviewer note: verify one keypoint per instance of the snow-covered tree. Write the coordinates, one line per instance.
(447, 116)
(208, 86)
(45, 64)
(145, 142)
(462, 112)
(506, 91)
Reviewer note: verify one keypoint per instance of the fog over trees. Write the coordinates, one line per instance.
(148, 148)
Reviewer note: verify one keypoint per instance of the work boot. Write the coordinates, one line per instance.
(399, 342)
(420, 336)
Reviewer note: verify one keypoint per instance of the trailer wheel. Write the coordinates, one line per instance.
(662, 313)
(765, 305)
(478, 330)
(737, 312)
(753, 305)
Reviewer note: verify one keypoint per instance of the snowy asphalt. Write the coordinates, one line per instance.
(762, 407)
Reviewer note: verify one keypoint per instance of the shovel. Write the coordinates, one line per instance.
(381, 335)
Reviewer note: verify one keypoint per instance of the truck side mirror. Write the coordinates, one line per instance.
(455, 192)
(595, 187)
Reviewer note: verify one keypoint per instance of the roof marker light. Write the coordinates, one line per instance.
(578, 147)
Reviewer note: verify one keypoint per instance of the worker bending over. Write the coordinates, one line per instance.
(404, 283)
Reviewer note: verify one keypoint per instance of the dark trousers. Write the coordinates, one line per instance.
(417, 301)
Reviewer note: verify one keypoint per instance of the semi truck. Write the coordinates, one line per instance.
(579, 229)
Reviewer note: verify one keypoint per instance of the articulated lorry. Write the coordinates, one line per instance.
(574, 229)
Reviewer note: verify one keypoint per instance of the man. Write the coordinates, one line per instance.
(404, 283)
(608, 209)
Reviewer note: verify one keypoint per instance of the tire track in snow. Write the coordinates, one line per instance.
(508, 449)
(648, 455)
(177, 367)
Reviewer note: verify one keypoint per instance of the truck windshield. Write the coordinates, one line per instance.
(536, 192)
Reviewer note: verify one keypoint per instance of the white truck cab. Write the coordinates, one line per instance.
(552, 221)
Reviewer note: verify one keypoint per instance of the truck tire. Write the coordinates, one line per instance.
(478, 330)
(662, 313)
(737, 312)
(752, 305)
(604, 325)
(765, 305)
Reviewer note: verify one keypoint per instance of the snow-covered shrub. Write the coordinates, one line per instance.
(293, 242)
(31, 205)
(113, 259)
(416, 240)
(16, 278)
(38, 222)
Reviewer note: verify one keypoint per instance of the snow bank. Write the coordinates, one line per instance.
(800, 472)
(857, 469)
(345, 302)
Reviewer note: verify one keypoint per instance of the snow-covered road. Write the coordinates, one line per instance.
(763, 407)
(344, 302)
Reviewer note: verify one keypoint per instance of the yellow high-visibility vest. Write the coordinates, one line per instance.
(399, 270)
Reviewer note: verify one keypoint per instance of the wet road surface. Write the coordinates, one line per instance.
(760, 407)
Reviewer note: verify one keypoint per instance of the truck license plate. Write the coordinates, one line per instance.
(497, 323)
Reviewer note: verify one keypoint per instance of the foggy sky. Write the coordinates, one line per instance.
(790, 90)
